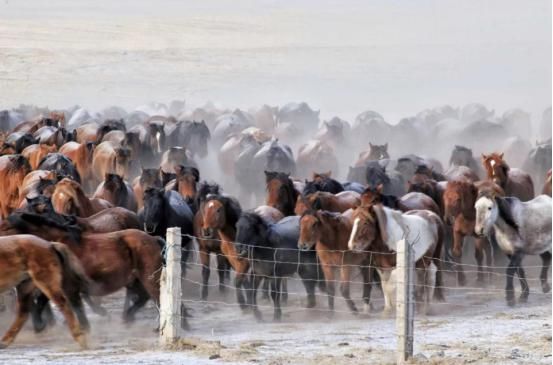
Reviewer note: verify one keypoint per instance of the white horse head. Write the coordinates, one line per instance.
(486, 215)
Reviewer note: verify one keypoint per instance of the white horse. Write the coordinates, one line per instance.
(422, 229)
(520, 228)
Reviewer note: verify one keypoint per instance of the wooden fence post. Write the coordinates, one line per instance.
(405, 301)
(170, 289)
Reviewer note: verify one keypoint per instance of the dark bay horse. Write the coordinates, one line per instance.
(271, 249)
(326, 201)
(185, 182)
(329, 233)
(281, 193)
(322, 182)
(28, 263)
(116, 191)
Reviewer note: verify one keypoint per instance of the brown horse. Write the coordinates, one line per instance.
(375, 152)
(28, 262)
(128, 258)
(281, 193)
(69, 198)
(31, 126)
(410, 201)
(36, 152)
(430, 187)
(547, 185)
(13, 169)
(316, 155)
(81, 155)
(459, 199)
(329, 233)
(108, 158)
(116, 191)
(514, 182)
(149, 178)
(327, 201)
(186, 181)
(220, 213)
(36, 183)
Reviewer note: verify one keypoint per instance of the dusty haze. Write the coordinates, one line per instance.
(396, 57)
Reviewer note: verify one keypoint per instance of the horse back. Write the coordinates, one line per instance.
(520, 185)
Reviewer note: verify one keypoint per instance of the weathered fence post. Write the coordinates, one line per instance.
(170, 289)
(405, 301)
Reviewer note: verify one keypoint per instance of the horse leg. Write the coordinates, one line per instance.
(140, 296)
(479, 256)
(366, 273)
(265, 290)
(524, 288)
(514, 263)
(489, 259)
(275, 294)
(46, 282)
(221, 270)
(284, 291)
(255, 280)
(546, 262)
(24, 303)
(204, 259)
(241, 283)
(458, 242)
(387, 283)
(309, 280)
(41, 313)
(99, 310)
(345, 276)
(330, 285)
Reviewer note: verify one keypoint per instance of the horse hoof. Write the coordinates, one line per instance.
(461, 281)
(511, 302)
(523, 298)
(386, 313)
(546, 288)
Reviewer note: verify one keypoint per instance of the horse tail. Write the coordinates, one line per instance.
(437, 260)
(75, 279)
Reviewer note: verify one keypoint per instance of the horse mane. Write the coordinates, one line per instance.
(505, 211)
(231, 206)
(20, 221)
(200, 127)
(311, 187)
(19, 162)
(204, 189)
(380, 171)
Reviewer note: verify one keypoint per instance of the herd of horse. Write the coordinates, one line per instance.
(86, 200)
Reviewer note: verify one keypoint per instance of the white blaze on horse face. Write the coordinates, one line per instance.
(354, 230)
(158, 136)
(210, 204)
(492, 164)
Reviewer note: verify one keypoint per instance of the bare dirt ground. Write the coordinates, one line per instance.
(474, 326)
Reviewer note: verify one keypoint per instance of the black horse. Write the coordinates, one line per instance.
(272, 250)
(376, 174)
(61, 164)
(322, 183)
(165, 209)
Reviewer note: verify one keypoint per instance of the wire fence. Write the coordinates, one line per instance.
(486, 298)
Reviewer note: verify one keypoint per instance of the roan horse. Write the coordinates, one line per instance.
(28, 263)
(422, 229)
(520, 228)
(514, 182)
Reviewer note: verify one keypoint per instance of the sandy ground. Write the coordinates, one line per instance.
(473, 326)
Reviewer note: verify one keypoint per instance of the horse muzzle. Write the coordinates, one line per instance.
(305, 246)
(208, 233)
(150, 229)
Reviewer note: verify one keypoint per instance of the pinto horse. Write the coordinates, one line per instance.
(326, 201)
(459, 199)
(69, 198)
(281, 193)
(521, 228)
(423, 230)
(128, 258)
(13, 169)
(220, 214)
(514, 182)
(28, 262)
(328, 233)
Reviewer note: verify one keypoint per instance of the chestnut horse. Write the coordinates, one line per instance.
(329, 233)
(128, 258)
(116, 191)
(13, 169)
(281, 193)
(69, 198)
(51, 268)
(109, 158)
(36, 152)
(514, 182)
(220, 213)
(326, 201)
(186, 181)
(459, 199)
(38, 182)
(81, 155)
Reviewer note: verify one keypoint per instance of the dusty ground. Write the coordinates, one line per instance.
(473, 326)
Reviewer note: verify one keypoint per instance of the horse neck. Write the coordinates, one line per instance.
(394, 230)
(85, 204)
(228, 233)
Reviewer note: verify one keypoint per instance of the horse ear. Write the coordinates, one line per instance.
(501, 155)
(328, 173)
(386, 147)
(371, 145)
(381, 219)
(484, 157)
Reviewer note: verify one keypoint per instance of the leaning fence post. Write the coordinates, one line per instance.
(170, 290)
(405, 303)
